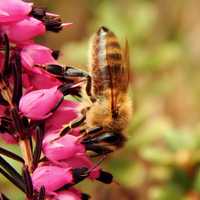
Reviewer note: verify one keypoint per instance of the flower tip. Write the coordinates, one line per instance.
(105, 177)
(66, 24)
(3, 13)
(30, 4)
(52, 14)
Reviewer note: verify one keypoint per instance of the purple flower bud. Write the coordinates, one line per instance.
(8, 138)
(14, 10)
(35, 54)
(70, 194)
(67, 111)
(63, 148)
(39, 79)
(51, 177)
(28, 29)
(83, 161)
(37, 105)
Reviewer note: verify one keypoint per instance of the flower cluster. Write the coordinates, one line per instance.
(33, 110)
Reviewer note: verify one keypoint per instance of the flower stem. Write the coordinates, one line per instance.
(23, 143)
(26, 153)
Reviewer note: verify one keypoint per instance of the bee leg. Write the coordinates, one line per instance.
(106, 139)
(68, 72)
(56, 70)
(92, 131)
(71, 125)
(98, 150)
(75, 72)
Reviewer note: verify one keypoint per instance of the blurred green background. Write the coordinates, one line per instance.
(161, 158)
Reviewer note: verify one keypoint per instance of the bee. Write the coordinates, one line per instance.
(111, 109)
(107, 86)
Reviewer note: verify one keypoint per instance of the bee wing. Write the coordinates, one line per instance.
(126, 67)
(109, 67)
(120, 77)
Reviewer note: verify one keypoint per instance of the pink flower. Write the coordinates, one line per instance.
(63, 148)
(67, 111)
(35, 54)
(39, 79)
(51, 177)
(24, 30)
(79, 161)
(8, 138)
(14, 10)
(38, 104)
(70, 194)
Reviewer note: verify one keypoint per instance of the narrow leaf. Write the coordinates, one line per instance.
(10, 170)
(17, 74)
(11, 155)
(28, 182)
(13, 180)
(38, 147)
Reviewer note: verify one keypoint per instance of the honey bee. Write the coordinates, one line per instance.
(111, 109)
(107, 86)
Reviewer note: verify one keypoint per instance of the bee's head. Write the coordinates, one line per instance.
(102, 29)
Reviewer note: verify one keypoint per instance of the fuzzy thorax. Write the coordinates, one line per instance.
(100, 114)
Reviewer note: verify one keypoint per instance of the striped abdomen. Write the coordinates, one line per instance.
(106, 63)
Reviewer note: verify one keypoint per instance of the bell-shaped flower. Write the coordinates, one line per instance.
(8, 138)
(14, 10)
(35, 54)
(62, 148)
(24, 30)
(82, 160)
(39, 79)
(38, 104)
(51, 177)
(70, 194)
(67, 111)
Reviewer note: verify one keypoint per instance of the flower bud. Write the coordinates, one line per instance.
(28, 29)
(8, 138)
(70, 194)
(34, 54)
(39, 79)
(63, 148)
(67, 111)
(14, 10)
(83, 161)
(51, 177)
(38, 104)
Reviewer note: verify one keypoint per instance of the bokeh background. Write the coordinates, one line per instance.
(161, 158)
